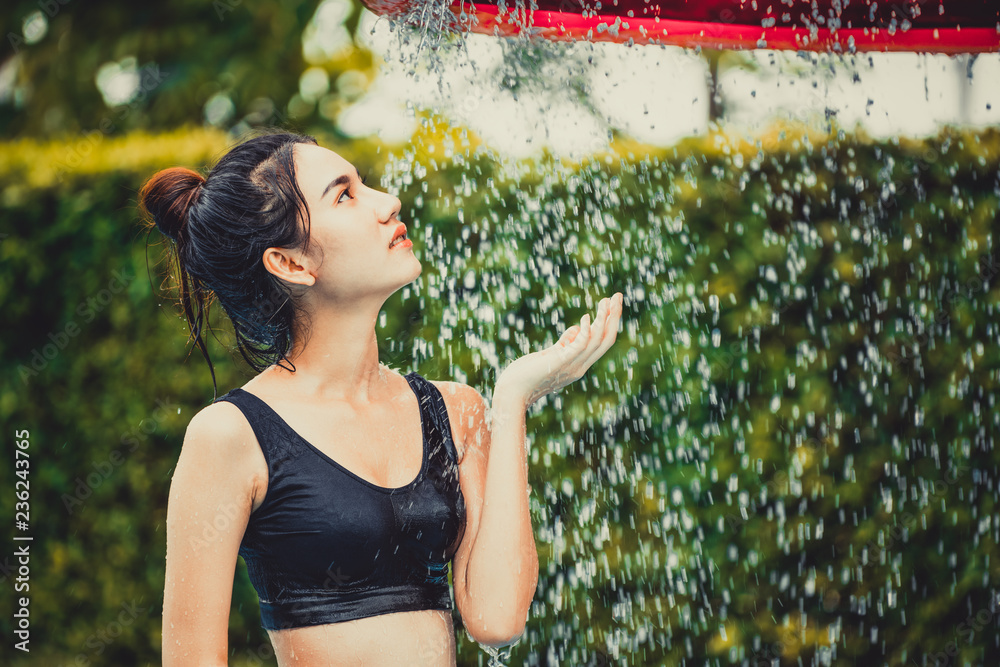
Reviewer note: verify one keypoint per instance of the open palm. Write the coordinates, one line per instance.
(539, 373)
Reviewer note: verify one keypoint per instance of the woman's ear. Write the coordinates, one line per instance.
(291, 266)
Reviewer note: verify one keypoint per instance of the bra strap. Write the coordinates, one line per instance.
(432, 405)
(272, 440)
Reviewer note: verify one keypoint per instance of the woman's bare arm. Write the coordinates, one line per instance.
(495, 569)
(496, 566)
(211, 495)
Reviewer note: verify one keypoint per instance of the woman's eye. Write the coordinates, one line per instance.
(345, 192)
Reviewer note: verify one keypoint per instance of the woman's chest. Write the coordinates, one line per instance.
(321, 524)
(383, 446)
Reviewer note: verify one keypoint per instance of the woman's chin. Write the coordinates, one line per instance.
(413, 278)
(419, 269)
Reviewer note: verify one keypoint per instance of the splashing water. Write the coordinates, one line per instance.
(498, 656)
(789, 456)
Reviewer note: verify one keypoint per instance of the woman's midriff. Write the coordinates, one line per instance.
(424, 638)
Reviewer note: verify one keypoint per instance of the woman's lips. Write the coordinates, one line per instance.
(400, 233)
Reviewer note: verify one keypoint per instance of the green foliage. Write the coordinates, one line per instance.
(788, 454)
(248, 52)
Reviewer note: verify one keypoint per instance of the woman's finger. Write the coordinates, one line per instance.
(584, 343)
(609, 338)
(584, 336)
(609, 332)
(569, 335)
(586, 346)
(600, 326)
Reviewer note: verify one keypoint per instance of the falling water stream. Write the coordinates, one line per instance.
(789, 456)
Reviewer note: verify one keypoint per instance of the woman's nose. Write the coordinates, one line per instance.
(389, 208)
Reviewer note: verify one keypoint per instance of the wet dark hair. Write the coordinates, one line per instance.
(221, 224)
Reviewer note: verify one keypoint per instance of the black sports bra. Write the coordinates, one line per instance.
(327, 546)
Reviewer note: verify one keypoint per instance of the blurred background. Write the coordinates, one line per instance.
(789, 456)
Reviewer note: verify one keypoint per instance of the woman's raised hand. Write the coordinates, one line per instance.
(539, 373)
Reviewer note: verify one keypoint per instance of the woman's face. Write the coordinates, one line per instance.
(355, 226)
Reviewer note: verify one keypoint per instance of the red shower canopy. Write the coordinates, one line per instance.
(840, 26)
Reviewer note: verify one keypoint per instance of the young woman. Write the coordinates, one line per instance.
(346, 487)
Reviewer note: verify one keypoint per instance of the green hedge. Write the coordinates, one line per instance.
(788, 455)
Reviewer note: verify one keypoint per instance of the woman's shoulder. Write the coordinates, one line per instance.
(466, 411)
(458, 393)
(219, 429)
(220, 438)
(220, 414)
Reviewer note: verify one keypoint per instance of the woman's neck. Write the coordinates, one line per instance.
(337, 360)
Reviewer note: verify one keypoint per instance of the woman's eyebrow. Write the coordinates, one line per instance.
(343, 179)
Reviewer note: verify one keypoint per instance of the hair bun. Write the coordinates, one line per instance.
(168, 196)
